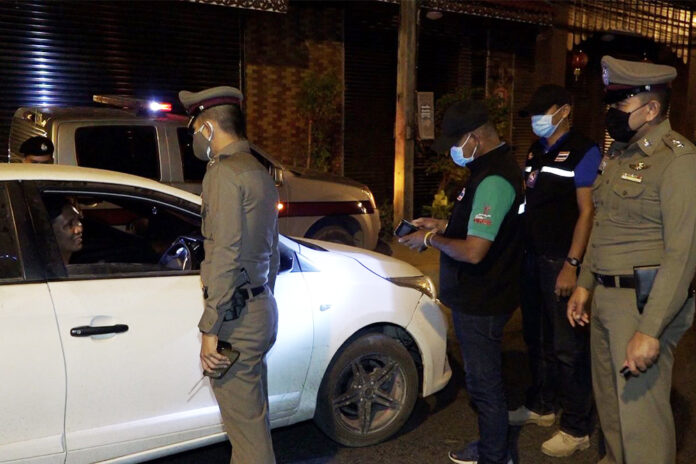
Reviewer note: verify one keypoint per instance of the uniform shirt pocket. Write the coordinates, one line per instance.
(625, 202)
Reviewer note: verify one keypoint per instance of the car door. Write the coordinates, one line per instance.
(32, 389)
(136, 389)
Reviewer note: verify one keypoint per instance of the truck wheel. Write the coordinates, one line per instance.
(334, 233)
(368, 391)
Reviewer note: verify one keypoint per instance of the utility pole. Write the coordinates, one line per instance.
(404, 130)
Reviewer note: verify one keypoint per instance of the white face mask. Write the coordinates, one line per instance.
(542, 124)
(457, 154)
(201, 144)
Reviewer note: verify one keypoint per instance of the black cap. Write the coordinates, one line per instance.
(459, 119)
(37, 146)
(544, 98)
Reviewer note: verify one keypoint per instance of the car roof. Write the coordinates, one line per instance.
(80, 113)
(57, 172)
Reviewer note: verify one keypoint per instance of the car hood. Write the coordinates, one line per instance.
(322, 176)
(382, 265)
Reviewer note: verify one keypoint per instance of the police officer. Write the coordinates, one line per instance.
(479, 266)
(37, 149)
(644, 217)
(241, 234)
(560, 169)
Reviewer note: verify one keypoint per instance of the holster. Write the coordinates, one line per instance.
(644, 277)
(233, 308)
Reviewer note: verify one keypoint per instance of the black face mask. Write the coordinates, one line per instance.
(617, 124)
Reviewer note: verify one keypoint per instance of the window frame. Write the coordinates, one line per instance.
(54, 264)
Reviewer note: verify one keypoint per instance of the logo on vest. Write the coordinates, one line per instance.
(461, 195)
(532, 178)
(562, 156)
(485, 217)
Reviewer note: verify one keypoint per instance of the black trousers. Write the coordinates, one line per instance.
(559, 355)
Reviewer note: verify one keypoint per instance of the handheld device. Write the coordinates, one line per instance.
(404, 228)
(230, 353)
(625, 372)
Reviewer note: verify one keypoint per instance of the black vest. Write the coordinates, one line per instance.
(551, 209)
(491, 286)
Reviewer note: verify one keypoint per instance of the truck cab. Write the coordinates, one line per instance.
(144, 140)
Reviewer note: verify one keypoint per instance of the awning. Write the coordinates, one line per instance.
(276, 6)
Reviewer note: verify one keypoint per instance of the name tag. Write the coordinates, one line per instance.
(632, 177)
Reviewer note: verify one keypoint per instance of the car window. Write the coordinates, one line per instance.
(129, 149)
(123, 235)
(194, 168)
(10, 264)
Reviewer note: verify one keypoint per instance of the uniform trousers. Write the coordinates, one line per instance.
(635, 414)
(242, 393)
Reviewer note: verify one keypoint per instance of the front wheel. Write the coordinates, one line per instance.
(368, 391)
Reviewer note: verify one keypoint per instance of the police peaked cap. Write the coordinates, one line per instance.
(624, 79)
(197, 102)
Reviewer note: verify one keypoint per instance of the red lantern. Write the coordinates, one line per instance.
(578, 61)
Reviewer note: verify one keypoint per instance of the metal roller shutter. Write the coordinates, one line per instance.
(61, 53)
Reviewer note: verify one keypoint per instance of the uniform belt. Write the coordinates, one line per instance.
(615, 281)
(254, 291)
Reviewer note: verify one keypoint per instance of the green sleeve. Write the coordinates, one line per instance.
(492, 201)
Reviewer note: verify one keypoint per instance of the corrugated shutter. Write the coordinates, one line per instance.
(61, 53)
(370, 96)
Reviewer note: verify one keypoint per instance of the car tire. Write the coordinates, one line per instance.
(334, 233)
(368, 391)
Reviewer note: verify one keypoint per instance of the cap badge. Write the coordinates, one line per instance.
(44, 147)
(639, 166)
(632, 177)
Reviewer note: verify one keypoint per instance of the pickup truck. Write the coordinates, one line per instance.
(142, 139)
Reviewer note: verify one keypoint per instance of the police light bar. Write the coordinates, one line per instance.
(133, 103)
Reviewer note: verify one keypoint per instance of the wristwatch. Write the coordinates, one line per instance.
(573, 261)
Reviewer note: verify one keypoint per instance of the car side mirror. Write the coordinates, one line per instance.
(278, 176)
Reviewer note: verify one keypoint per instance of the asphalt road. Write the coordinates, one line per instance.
(446, 420)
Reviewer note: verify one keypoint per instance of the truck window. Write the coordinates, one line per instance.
(194, 169)
(128, 149)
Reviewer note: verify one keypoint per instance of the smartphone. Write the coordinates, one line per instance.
(404, 228)
(225, 349)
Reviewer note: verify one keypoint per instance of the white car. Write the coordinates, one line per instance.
(99, 357)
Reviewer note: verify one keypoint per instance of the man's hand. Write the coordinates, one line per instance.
(566, 280)
(577, 312)
(414, 240)
(641, 353)
(430, 223)
(210, 358)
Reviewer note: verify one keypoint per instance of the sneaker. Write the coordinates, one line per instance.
(563, 444)
(522, 416)
(468, 455)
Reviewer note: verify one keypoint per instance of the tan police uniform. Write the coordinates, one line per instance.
(644, 216)
(240, 230)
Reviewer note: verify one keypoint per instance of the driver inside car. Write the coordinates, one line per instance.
(66, 221)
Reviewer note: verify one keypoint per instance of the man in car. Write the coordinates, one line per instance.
(38, 149)
(480, 261)
(66, 221)
(241, 237)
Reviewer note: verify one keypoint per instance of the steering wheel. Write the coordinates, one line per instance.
(183, 254)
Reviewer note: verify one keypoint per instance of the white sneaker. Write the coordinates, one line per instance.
(563, 444)
(522, 416)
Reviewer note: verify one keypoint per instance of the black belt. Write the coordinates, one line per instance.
(254, 291)
(615, 281)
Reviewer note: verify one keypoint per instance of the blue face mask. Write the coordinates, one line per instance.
(457, 154)
(542, 124)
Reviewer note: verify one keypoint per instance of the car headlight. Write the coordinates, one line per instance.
(421, 283)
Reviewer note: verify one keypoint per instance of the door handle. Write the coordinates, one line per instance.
(89, 330)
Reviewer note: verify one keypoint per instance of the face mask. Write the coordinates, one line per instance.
(618, 126)
(201, 145)
(542, 124)
(457, 154)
